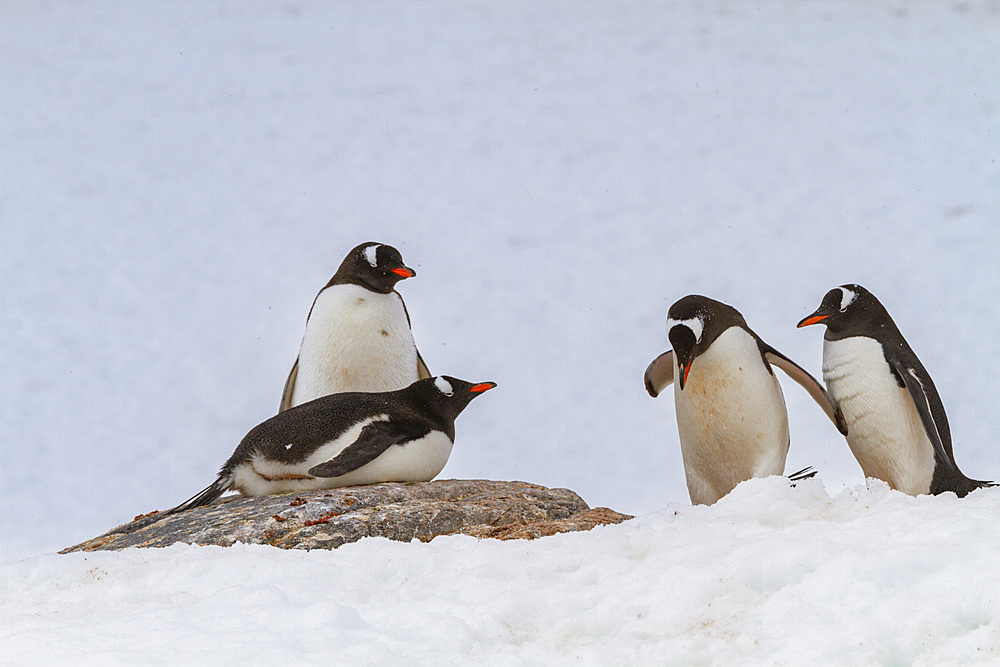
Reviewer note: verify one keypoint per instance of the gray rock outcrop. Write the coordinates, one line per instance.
(327, 519)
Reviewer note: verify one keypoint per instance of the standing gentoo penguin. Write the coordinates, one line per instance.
(357, 335)
(731, 414)
(348, 439)
(898, 430)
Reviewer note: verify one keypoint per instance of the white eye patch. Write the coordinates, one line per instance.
(847, 298)
(443, 386)
(694, 324)
(370, 255)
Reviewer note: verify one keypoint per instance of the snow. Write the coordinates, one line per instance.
(868, 576)
(180, 180)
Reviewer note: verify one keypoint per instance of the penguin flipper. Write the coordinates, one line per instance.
(659, 374)
(922, 401)
(422, 372)
(810, 384)
(935, 423)
(207, 495)
(372, 441)
(286, 394)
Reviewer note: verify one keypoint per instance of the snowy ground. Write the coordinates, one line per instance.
(179, 180)
(769, 575)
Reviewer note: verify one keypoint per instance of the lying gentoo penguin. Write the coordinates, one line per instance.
(357, 335)
(898, 430)
(348, 439)
(731, 414)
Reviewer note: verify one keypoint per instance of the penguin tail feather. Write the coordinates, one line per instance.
(805, 473)
(209, 494)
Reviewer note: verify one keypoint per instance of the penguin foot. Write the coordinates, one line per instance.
(805, 473)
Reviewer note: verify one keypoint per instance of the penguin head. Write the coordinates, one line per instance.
(449, 395)
(693, 324)
(846, 309)
(376, 266)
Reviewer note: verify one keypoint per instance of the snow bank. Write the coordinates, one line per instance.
(771, 574)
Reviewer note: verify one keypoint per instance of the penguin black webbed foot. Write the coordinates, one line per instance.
(806, 473)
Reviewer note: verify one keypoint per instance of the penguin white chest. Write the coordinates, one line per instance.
(418, 460)
(883, 427)
(355, 340)
(731, 418)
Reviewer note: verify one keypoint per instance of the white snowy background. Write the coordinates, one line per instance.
(177, 180)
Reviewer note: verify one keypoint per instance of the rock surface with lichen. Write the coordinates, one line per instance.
(327, 519)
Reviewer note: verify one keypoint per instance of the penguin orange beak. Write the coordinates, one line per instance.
(812, 319)
(482, 386)
(684, 369)
(404, 271)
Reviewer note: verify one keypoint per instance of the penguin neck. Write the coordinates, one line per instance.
(437, 413)
(868, 318)
(347, 276)
(879, 327)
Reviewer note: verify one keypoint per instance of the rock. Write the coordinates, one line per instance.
(585, 520)
(326, 519)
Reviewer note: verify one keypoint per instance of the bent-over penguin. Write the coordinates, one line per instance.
(897, 427)
(731, 414)
(357, 335)
(348, 439)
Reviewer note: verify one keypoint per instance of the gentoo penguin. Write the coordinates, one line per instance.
(357, 335)
(897, 428)
(731, 414)
(348, 439)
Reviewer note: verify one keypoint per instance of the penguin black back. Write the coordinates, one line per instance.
(429, 404)
(317, 421)
(330, 441)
